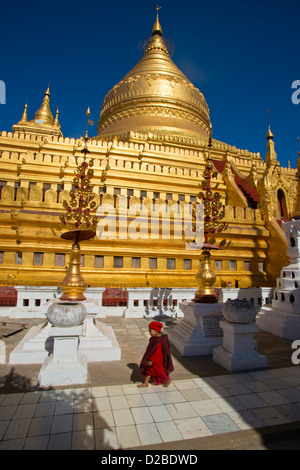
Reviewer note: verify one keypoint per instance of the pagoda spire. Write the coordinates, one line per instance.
(271, 156)
(56, 121)
(156, 42)
(157, 27)
(43, 114)
(24, 115)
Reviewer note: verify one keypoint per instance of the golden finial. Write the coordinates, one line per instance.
(269, 134)
(44, 115)
(24, 115)
(271, 156)
(56, 121)
(157, 27)
(210, 136)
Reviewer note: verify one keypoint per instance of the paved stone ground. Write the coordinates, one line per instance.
(205, 407)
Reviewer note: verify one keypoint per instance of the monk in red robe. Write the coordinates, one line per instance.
(157, 361)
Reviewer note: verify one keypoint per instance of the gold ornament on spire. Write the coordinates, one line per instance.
(80, 218)
(157, 27)
(56, 121)
(80, 211)
(82, 204)
(213, 223)
(24, 117)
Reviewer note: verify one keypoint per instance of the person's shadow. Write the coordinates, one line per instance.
(135, 374)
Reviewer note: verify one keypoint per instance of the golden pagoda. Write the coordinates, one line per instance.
(148, 157)
(155, 96)
(43, 122)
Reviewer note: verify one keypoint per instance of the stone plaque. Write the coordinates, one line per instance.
(211, 326)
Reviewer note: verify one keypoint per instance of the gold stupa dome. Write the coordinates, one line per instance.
(154, 95)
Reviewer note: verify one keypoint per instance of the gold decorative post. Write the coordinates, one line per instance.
(80, 219)
(213, 215)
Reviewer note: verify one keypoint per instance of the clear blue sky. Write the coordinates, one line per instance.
(242, 55)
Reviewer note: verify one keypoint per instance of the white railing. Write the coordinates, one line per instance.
(259, 296)
(141, 301)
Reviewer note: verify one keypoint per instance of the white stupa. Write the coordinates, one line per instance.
(283, 318)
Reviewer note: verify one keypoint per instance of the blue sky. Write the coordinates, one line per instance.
(242, 55)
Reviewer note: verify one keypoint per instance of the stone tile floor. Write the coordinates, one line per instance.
(125, 416)
(205, 406)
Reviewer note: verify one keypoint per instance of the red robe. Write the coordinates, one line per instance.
(157, 352)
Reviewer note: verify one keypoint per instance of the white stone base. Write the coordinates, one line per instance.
(97, 343)
(2, 353)
(238, 351)
(66, 366)
(34, 348)
(68, 373)
(112, 311)
(198, 333)
(279, 323)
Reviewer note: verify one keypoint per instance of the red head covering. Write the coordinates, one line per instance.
(155, 325)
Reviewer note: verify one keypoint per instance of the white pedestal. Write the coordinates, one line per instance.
(283, 318)
(97, 343)
(66, 366)
(279, 321)
(35, 347)
(198, 333)
(238, 351)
